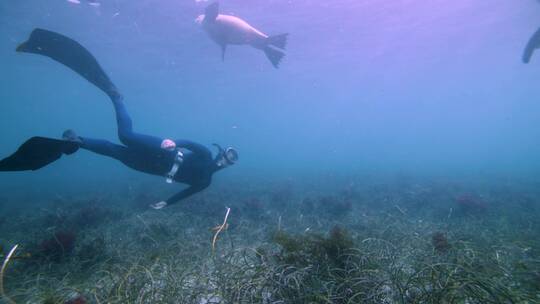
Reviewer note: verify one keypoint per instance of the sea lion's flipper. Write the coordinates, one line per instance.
(211, 12)
(37, 152)
(223, 50)
(279, 41)
(534, 43)
(275, 56)
(527, 54)
(71, 54)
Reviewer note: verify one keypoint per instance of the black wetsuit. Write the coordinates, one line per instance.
(144, 153)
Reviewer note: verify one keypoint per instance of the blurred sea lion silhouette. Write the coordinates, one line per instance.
(533, 44)
(226, 29)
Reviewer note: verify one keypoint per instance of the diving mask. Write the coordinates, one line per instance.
(227, 156)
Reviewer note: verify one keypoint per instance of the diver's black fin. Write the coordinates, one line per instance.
(36, 153)
(275, 56)
(223, 50)
(71, 54)
(211, 12)
(534, 43)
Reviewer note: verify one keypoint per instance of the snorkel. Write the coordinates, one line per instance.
(225, 157)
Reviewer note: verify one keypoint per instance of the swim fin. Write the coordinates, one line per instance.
(71, 54)
(36, 153)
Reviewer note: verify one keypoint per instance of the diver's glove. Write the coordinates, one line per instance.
(159, 205)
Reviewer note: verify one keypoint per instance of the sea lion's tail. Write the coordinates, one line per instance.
(279, 41)
(71, 54)
(275, 56)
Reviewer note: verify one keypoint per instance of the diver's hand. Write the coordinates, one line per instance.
(159, 205)
(168, 145)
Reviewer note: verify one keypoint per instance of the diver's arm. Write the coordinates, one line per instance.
(181, 195)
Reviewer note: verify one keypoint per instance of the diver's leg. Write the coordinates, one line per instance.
(125, 129)
(133, 158)
(107, 148)
(104, 147)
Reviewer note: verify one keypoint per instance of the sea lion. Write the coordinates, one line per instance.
(533, 44)
(226, 29)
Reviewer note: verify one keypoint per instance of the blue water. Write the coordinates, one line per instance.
(416, 94)
(410, 85)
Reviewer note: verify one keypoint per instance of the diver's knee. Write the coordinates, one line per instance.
(124, 138)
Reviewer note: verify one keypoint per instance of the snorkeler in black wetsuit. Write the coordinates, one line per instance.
(181, 161)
